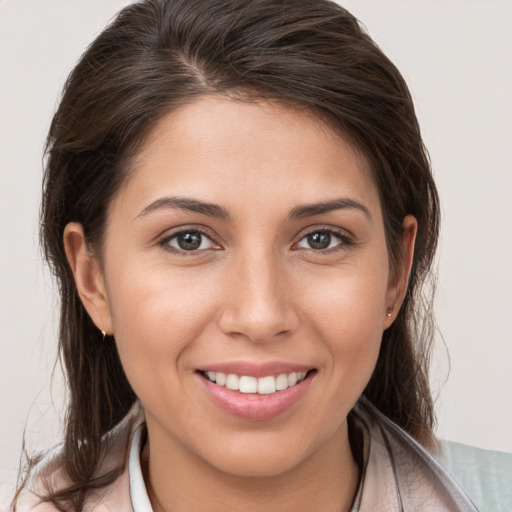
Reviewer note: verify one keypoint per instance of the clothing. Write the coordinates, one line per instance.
(486, 475)
(397, 474)
(400, 475)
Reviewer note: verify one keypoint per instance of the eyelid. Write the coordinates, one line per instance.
(347, 239)
(163, 239)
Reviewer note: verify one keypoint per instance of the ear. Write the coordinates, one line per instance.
(399, 279)
(88, 277)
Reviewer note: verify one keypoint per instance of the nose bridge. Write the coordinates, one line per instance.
(258, 307)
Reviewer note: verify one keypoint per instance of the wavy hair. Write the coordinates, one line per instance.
(158, 55)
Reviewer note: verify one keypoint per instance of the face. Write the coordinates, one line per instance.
(245, 278)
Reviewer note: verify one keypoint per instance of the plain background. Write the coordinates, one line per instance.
(456, 56)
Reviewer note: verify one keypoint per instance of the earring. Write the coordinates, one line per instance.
(389, 311)
(388, 314)
(104, 335)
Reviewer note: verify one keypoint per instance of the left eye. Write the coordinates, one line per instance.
(320, 240)
(190, 241)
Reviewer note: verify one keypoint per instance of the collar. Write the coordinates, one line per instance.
(397, 474)
(138, 491)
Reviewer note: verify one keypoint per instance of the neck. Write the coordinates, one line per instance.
(178, 481)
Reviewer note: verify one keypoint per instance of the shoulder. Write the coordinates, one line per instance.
(486, 475)
(48, 473)
(401, 473)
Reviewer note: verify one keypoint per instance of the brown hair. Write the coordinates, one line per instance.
(160, 54)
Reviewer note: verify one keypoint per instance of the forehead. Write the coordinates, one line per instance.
(220, 147)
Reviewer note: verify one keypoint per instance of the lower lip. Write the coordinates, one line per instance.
(252, 406)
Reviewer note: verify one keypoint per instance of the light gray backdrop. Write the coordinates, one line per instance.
(457, 58)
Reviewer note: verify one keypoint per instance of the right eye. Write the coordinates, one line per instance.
(189, 241)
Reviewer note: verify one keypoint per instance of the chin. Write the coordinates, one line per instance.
(258, 465)
(262, 456)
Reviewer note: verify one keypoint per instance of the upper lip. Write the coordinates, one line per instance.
(255, 369)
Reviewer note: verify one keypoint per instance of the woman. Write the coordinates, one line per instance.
(240, 213)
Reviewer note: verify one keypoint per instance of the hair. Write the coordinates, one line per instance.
(158, 55)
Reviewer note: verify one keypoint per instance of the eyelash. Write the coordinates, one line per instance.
(345, 240)
(165, 241)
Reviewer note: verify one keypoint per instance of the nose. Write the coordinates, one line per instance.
(258, 305)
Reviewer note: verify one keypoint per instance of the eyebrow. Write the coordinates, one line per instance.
(193, 205)
(309, 210)
(214, 210)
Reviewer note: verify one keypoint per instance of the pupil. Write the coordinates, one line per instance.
(319, 240)
(189, 241)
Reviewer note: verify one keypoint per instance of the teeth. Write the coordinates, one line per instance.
(248, 384)
(282, 382)
(267, 385)
(232, 382)
(263, 385)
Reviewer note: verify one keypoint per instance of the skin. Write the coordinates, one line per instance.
(255, 291)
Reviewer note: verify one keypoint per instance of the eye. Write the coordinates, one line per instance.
(189, 241)
(322, 240)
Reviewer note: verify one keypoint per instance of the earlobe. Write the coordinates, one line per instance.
(397, 287)
(88, 276)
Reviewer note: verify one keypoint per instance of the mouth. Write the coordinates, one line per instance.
(267, 385)
(256, 397)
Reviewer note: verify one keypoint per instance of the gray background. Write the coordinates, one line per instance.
(457, 58)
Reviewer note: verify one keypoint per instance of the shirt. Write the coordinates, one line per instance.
(397, 474)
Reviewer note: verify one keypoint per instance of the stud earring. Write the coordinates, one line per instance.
(388, 314)
(389, 311)
(104, 335)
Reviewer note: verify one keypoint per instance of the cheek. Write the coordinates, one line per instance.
(156, 298)
(156, 317)
(347, 313)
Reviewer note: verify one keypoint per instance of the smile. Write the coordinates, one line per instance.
(256, 392)
(262, 386)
